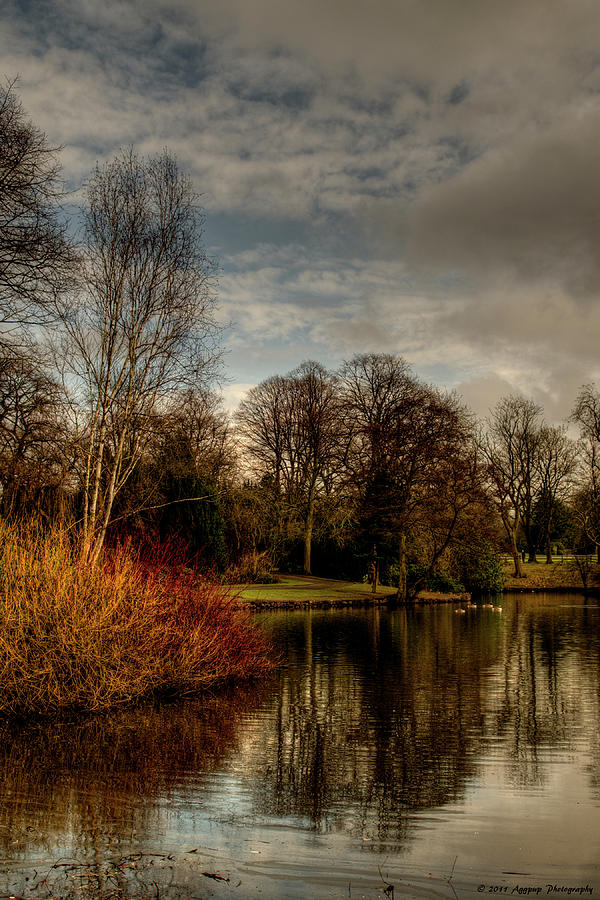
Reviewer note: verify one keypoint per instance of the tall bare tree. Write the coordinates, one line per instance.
(290, 433)
(556, 464)
(317, 433)
(143, 325)
(264, 421)
(510, 447)
(36, 260)
(410, 457)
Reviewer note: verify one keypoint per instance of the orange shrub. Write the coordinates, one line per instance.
(74, 636)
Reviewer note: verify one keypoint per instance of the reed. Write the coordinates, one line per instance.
(80, 637)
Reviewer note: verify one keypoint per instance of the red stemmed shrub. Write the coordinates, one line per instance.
(81, 637)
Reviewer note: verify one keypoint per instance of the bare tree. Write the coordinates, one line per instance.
(36, 260)
(264, 421)
(197, 414)
(556, 464)
(189, 442)
(409, 456)
(290, 432)
(250, 520)
(316, 405)
(142, 327)
(587, 506)
(510, 449)
(33, 444)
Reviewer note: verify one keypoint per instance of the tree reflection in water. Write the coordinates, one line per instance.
(376, 723)
(94, 783)
(396, 712)
(376, 720)
(550, 685)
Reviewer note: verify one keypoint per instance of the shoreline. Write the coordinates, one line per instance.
(312, 592)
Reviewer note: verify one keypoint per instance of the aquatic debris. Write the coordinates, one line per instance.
(216, 876)
(389, 888)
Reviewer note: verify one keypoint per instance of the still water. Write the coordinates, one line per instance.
(394, 754)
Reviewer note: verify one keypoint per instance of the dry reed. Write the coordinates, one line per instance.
(74, 636)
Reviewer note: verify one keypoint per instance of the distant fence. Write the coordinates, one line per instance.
(566, 556)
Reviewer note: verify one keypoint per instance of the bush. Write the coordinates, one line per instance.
(481, 569)
(74, 636)
(252, 568)
(441, 580)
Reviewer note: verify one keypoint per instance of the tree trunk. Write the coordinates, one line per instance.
(308, 530)
(531, 548)
(548, 546)
(90, 513)
(402, 585)
(516, 555)
(375, 581)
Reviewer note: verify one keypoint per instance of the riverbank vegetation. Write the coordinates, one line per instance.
(81, 637)
(112, 433)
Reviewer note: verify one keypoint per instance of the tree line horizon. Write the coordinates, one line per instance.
(110, 424)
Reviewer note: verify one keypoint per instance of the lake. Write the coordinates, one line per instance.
(393, 754)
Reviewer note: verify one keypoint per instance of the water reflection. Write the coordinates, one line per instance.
(96, 782)
(378, 726)
(375, 720)
(546, 693)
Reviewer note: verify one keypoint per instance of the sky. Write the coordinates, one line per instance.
(415, 177)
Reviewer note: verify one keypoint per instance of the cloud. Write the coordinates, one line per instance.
(288, 305)
(233, 394)
(482, 393)
(422, 37)
(528, 212)
(425, 170)
(314, 304)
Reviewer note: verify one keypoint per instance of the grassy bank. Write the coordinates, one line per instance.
(562, 574)
(306, 590)
(75, 637)
(297, 591)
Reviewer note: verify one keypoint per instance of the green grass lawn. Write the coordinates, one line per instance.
(306, 589)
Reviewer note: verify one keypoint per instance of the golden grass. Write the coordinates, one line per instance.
(74, 636)
(561, 575)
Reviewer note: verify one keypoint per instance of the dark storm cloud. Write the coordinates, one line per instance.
(530, 210)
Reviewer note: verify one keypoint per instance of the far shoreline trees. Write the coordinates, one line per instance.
(586, 415)
(410, 460)
(289, 427)
(529, 468)
(398, 453)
